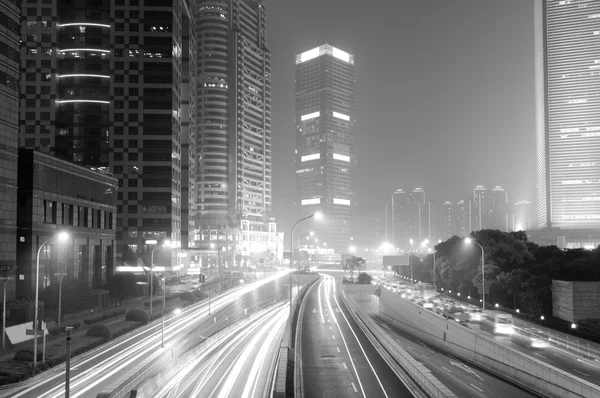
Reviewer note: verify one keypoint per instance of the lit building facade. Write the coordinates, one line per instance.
(233, 171)
(568, 113)
(105, 84)
(325, 141)
(9, 134)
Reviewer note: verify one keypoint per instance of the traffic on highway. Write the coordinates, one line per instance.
(496, 324)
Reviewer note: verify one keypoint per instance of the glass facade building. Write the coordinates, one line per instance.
(109, 85)
(10, 21)
(233, 170)
(325, 141)
(568, 113)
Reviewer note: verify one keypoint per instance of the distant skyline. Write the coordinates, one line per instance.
(445, 95)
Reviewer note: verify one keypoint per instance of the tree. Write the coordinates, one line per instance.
(364, 278)
(512, 282)
(355, 264)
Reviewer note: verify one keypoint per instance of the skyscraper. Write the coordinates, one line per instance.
(325, 140)
(9, 133)
(489, 208)
(106, 86)
(233, 175)
(568, 113)
(409, 218)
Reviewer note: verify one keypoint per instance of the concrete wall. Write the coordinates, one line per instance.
(482, 350)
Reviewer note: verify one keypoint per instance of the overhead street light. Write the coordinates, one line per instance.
(468, 241)
(317, 216)
(166, 243)
(62, 237)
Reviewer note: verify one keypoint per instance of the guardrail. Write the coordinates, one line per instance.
(400, 361)
(286, 376)
(521, 369)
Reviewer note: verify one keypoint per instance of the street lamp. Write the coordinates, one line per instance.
(62, 236)
(317, 216)
(469, 241)
(166, 243)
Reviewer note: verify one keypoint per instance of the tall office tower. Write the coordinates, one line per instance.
(325, 140)
(568, 113)
(9, 133)
(105, 85)
(449, 217)
(522, 216)
(234, 130)
(432, 221)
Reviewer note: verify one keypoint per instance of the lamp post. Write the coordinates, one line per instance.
(61, 274)
(469, 241)
(317, 216)
(154, 242)
(68, 363)
(62, 236)
(162, 341)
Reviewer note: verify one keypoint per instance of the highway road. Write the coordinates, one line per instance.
(461, 379)
(91, 371)
(236, 362)
(337, 358)
(567, 361)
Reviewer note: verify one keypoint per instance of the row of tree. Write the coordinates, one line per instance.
(518, 272)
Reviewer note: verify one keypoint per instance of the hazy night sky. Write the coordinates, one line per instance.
(444, 95)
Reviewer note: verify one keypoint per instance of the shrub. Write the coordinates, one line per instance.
(26, 356)
(188, 296)
(100, 330)
(200, 294)
(137, 315)
(91, 321)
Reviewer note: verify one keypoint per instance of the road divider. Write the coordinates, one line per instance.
(420, 380)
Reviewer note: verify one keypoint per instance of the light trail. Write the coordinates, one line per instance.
(193, 380)
(140, 344)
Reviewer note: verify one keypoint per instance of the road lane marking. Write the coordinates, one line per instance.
(582, 361)
(354, 387)
(446, 369)
(424, 356)
(359, 344)
(330, 328)
(580, 372)
(410, 348)
(539, 355)
(474, 386)
(333, 336)
(345, 367)
(338, 348)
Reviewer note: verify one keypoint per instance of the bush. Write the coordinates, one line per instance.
(100, 330)
(137, 315)
(188, 296)
(91, 321)
(200, 294)
(26, 356)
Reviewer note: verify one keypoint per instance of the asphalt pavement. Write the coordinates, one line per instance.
(337, 358)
